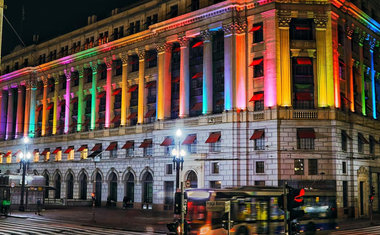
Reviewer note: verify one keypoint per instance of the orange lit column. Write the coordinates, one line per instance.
(241, 68)
(184, 83)
(207, 72)
(284, 96)
(330, 99)
(55, 108)
(334, 28)
(27, 109)
(108, 92)
(20, 112)
(124, 91)
(349, 72)
(141, 91)
(320, 24)
(44, 106)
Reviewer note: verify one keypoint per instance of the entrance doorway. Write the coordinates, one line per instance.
(98, 189)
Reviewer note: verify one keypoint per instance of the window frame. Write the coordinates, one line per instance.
(313, 167)
(260, 167)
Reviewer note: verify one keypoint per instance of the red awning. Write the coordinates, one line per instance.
(175, 80)
(74, 100)
(304, 61)
(116, 91)
(8, 154)
(197, 75)
(257, 97)
(303, 28)
(198, 44)
(88, 97)
(73, 124)
(132, 116)
(51, 105)
(18, 151)
(83, 147)
(151, 58)
(306, 134)
(62, 102)
(190, 139)
(115, 119)
(150, 113)
(197, 106)
(150, 84)
(39, 108)
(56, 150)
(257, 134)
(176, 49)
(214, 137)
(128, 145)
(255, 28)
(256, 62)
(167, 141)
(100, 120)
(132, 88)
(147, 143)
(36, 151)
(68, 150)
(46, 150)
(112, 146)
(304, 96)
(97, 147)
(101, 94)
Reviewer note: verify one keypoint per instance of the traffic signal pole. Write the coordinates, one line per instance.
(285, 202)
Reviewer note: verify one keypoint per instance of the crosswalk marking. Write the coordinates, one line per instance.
(13, 226)
(373, 230)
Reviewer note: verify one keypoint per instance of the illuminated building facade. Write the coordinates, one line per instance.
(265, 91)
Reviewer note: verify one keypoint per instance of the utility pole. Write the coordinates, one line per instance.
(2, 6)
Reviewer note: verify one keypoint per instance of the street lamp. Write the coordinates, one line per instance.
(24, 161)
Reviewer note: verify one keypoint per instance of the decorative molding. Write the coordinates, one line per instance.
(320, 22)
(33, 80)
(94, 66)
(284, 18)
(206, 35)
(141, 54)
(67, 74)
(160, 48)
(183, 40)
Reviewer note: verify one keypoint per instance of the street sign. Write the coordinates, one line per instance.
(184, 206)
(216, 206)
(188, 184)
(13, 184)
(227, 206)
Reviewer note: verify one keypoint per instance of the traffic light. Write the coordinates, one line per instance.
(177, 203)
(372, 193)
(295, 198)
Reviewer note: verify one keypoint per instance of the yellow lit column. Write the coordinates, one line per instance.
(124, 91)
(284, 94)
(160, 81)
(55, 108)
(320, 24)
(329, 61)
(141, 94)
(44, 106)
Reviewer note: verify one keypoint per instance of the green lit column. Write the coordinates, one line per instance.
(362, 68)
(94, 67)
(80, 99)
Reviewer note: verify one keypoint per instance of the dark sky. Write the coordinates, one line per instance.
(50, 18)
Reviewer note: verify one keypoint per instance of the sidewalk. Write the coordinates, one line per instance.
(352, 223)
(129, 219)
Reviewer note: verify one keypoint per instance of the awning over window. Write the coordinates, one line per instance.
(97, 147)
(175, 80)
(190, 139)
(304, 61)
(116, 91)
(69, 149)
(214, 137)
(197, 75)
(101, 94)
(150, 84)
(306, 96)
(101, 120)
(112, 146)
(257, 97)
(50, 106)
(256, 61)
(167, 141)
(132, 88)
(18, 152)
(74, 100)
(132, 116)
(257, 134)
(255, 28)
(115, 119)
(147, 143)
(62, 102)
(306, 134)
(36, 151)
(128, 145)
(363, 139)
(83, 147)
(198, 44)
(46, 150)
(39, 108)
(197, 106)
(57, 150)
(150, 113)
(88, 97)
(8, 154)
(303, 28)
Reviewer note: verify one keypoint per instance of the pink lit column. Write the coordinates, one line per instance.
(20, 112)
(3, 117)
(9, 132)
(184, 82)
(67, 98)
(228, 67)
(108, 93)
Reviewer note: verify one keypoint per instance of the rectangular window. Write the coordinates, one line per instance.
(361, 141)
(301, 29)
(173, 11)
(344, 140)
(313, 166)
(259, 137)
(214, 141)
(259, 183)
(344, 167)
(113, 149)
(131, 28)
(169, 169)
(258, 67)
(298, 167)
(371, 145)
(342, 70)
(129, 148)
(216, 184)
(260, 167)
(345, 194)
(341, 35)
(215, 168)
(137, 26)
(168, 195)
(258, 33)
(305, 138)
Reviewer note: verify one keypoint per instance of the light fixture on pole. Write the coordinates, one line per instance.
(24, 163)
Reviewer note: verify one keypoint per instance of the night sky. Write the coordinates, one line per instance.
(51, 18)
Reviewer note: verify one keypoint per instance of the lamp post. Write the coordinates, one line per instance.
(24, 161)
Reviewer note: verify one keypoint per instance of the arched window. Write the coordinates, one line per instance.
(70, 186)
(46, 193)
(129, 190)
(57, 185)
(148, 188)
(113, 186)
(192, 177)
(98, 189)
(83, 186)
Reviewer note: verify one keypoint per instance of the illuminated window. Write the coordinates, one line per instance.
(298, 167)
(84, 153)
(36, 156)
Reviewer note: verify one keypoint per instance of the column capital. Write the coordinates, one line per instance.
(349, 30)
(67, 74)
(183, 40)
(141, 53)
(80, 70)
(33, 80)
(206, 35)
(56, 80)
(94, 66)
(320, 22)
(234, 28)
(45, 81)
(372, 42)
(108, 62)
(362, 35)
(284, 18)
(124, 58)
(160, 48)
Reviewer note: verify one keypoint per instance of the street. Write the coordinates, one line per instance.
(373, 230)
(30, 226)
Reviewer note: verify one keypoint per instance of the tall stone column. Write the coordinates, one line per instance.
(334, 26)
(320, 24)
(108, 93)
(55, 108)
(184, 79)
(3, 117)
(80, 100)
(125, 97)
(141, 91)
(94, 68)
(10, 113)
(207, 90)
(20, 111)
(349, 72)
(362, 36)
(284, 95)
(329, 61)
(372, 44)
(44, 106)
(161, 81)
(229, 63)
(67, 98)
(32, 117)
(167, 81)
(27, 109)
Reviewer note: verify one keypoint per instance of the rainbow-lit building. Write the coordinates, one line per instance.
(265, 91)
